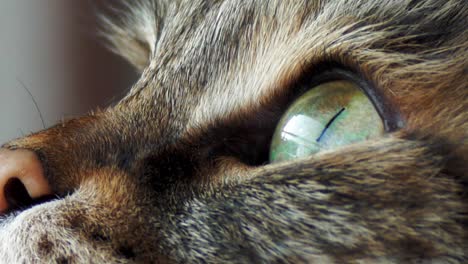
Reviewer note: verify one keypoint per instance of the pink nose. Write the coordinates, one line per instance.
(21, 175)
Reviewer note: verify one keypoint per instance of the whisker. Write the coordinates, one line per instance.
(34, 101)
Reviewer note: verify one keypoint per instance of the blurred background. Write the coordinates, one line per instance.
(52, 50)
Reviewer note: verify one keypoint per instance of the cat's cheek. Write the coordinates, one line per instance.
(72, 230)
(31, 234)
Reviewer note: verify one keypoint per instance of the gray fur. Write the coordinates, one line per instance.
(136, 184)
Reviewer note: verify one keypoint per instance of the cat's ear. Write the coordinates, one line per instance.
(132, 31)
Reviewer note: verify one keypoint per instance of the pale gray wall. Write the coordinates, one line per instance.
(53, 47)
(31, 50)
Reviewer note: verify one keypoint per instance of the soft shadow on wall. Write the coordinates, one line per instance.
(53, 48)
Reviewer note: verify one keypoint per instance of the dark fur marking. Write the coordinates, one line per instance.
(44, 245)
(126, 252)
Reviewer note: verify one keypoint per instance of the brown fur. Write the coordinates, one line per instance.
(172, 172)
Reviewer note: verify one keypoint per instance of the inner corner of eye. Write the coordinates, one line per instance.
(327, 116)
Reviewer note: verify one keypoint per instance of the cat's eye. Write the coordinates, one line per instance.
(330, 115)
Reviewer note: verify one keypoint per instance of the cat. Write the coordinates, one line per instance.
(205, 159)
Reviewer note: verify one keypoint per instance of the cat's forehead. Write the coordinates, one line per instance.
(219, 57)
(230, 54)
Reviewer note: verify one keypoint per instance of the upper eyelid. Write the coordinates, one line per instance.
(386, 108)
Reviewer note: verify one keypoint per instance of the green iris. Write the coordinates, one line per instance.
(328, 116)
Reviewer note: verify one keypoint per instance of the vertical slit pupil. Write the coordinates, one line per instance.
(329, 123)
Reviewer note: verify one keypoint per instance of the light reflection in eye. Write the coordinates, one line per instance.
(299, 130)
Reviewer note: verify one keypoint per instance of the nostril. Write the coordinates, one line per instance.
(16, 194)
(22, 181)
